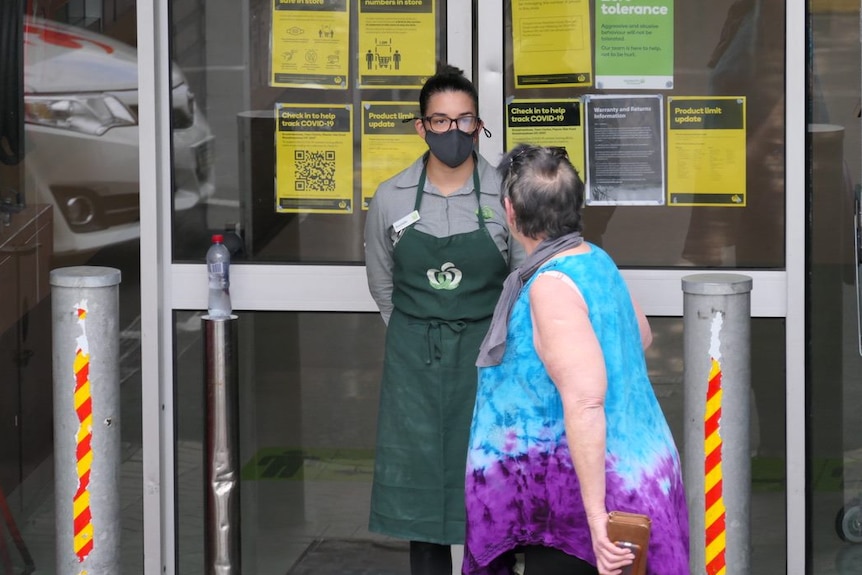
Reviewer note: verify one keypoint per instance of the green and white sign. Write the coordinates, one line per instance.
(634, 44)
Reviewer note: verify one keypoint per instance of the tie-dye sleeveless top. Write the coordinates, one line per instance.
(521, 486)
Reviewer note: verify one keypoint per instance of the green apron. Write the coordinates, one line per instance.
(444, 293)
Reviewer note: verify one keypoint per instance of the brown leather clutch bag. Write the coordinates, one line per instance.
(631, 530)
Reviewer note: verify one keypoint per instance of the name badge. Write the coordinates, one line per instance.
(407, 220)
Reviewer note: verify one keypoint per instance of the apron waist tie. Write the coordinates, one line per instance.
(434, 337)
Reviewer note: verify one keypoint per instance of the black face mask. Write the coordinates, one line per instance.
(452, 147)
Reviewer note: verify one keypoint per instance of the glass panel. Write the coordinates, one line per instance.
(715, 50)
(308, 393)
(240, 67)
(834, 378)
(68, 196)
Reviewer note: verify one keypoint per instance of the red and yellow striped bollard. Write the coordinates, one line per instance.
(714, 516)
(717, 420)
(83, 402)
(87, 456)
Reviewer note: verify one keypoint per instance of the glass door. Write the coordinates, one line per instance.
(305, 103)
(834, 377)
(643, 95)
(299, 117)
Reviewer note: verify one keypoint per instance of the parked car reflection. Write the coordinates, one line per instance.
(81, 114)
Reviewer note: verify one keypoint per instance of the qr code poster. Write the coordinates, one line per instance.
(314, 158)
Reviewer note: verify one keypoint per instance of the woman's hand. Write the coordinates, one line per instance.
(610, 558)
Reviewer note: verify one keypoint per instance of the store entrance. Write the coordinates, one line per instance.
(297, 195)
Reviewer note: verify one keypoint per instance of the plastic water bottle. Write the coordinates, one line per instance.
(218, 269)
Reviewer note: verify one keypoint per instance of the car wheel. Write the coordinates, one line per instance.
(848, 524)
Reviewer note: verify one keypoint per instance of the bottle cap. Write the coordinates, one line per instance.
(217, 238)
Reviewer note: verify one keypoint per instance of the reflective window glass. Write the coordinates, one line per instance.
(68, 197)
(336, 76)
(834, 525)
(308, 389)
(701, 54)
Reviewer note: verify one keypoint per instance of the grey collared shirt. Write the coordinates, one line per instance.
(439, 216)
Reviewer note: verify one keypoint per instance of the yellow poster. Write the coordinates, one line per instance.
(314, 158)
(706, 151)
(551, 43)
(310, 43)
(389, 144)
(397, 43)
(547, 123)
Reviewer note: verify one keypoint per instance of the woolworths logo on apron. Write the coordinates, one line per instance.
(487, 212)
(447, 277)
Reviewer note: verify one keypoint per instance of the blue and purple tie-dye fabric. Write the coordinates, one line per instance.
(521, 488)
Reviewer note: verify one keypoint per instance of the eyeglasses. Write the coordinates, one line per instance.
(440, 124)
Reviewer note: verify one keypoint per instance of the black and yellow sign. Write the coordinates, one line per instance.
(389, 144)
(397, 43)
(310, 43)
(551, 43)
(547, 123)
(314, 158)
(706, 152)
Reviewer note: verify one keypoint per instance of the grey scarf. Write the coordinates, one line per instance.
(494, 344)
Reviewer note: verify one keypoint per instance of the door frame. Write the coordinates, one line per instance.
(167, 287)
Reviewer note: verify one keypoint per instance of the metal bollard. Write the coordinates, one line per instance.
(717, 381)
(85, 318)
(221, 508)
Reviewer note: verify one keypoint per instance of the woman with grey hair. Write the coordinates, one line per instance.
(566, 425)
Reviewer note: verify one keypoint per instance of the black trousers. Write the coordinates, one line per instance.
(430, 558)
(435, 559)
(539, 560)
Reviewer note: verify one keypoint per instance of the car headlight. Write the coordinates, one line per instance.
(87, 113)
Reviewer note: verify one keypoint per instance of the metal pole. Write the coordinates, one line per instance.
(717, 381)
(222, 509)
(85, 318)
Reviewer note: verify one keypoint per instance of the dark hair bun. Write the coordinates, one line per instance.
(450, 70)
